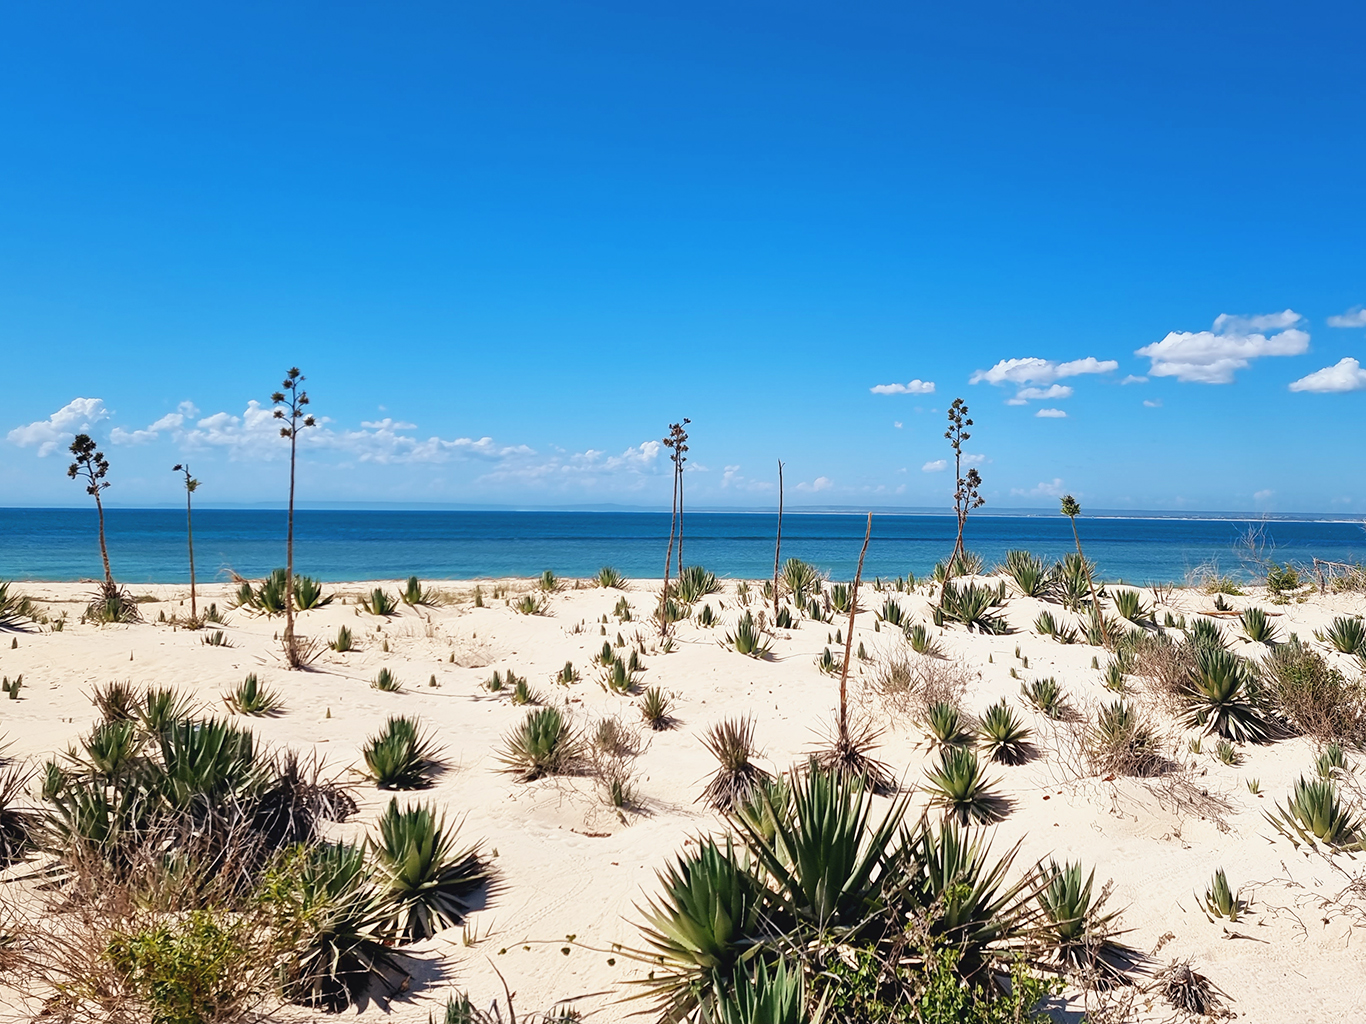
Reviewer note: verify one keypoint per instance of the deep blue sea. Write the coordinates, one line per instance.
(148, 545)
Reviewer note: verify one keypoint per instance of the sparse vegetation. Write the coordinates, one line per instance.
(1259, 627)
(378, 602)
(251, 698)
(1046, 696)
(656, 709)
(400, 756)
(971, 606)
(386, 681)
(1223, 698)
(609, 579)
(415, 594)
(748, 638)
(959, 786)
(1028, 574)
(1347, 634)
(738, 779)
(543, 744)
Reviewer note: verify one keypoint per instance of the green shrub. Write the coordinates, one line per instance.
(1077, 928)
(343, 643)
(414, 594)
(971, 606)
(945, 725)
(1129, 604)
(1122, 742)
(199, 969)
(377, 602)
(828, 663)
(1003, 735)
(891, 613)
(1331, 761)
(1347, 634)
(656, 709)
(695, 583)
(959, 785)
(841, 597)
(1046, 696)
(748, 639)
(17, 611)
(1280, 580)
(529, 604)
(19, 824)
(1075, 575)
(386, 681)
(1313, 697)
(308, 594)
(251, 698)
(923, 641)
(1222, 697)
(800, 579)
(609, 578)
(1315, 813)
(1220, 900)
(1259, 627)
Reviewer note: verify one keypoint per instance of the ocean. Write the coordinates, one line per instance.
(148, 545)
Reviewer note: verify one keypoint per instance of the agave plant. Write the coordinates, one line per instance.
(1330, 762)
(429, 882)
(1004, 736)
(828, 663)
(335, 921)
(162, 707)
(1114, 675)
(377, 602)
(618, 677)
(841, 598)
(892, 613)
(1074, 576)
(1206, 634)
(737, 777)
(414, 594)
(1046, 696)
(1129, 604)
(116, 702)
(112, 748)
(1122, 742)
(1259, 627)
(971, 606)
(1314, 813)
(959, 785)
(800, 579)
(707, 618)
(967, 563)
(344, 641)
(1221, 696)
(543, 744)
(522, 694)
(784, 619)
(944, 722)
(1220, 900)
(386, 682)
(656, 709)
(776, 996)
(1347, 634)
(18, 825)
(705, 925)
(400, 756)
(609, 579)
(251, 698)
(529, 604)
(17, 611)
(923, 641)
(1027, 573)
(308, 594)
(1076, 926)
(695, 583)
(748, 639)
(1227, 753)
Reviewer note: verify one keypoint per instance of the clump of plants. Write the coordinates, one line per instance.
(737, 779)
(251, 698)
(1313, 697)
(1222, 697)
(1347, 634)
(971, 606)
(609, 579)
(1028, 574)
(401, 756)
(529, 604)
(1003, 736)
(656, 709)
(695, 583)
(1046, 696)
(748, 638)
(415, 594)
(386, 682)
(959, 785)
(1122, 741)
(544, 743)
(1259, 628)
(378, 602)
(924, 642)
(1315, 813)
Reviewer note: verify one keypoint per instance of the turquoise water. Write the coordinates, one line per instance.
(148, 545)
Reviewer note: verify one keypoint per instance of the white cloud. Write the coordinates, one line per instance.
(172, 421)
(1263, 495)
(1345, 375)
(1212, 357)
(1053, 391)
(1134, 379)
(1033, 370)
(76, 417)
(897, 424)
(973, 459)
(1152, 403)
(821, 483)
(1354, 317)
(915, 387)
(937, 466)
(1051, 414)
(1051, 489)
(629, 471)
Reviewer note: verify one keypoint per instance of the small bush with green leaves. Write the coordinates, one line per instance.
(800, 580)
(1129, 604)
(618, 676)
(1222, 697)
(1312, 696)
(567, 675)
(430, 881)
(308, 594)
(1259, 627)
(1046, 696)
(737, 777)
(1074, 576)
(386, 681)
(1028, 574)
(785, 618)
(1281, 579)
(201, 967)
(1205, 634)
(706, 617)
(549, 583)
(251, 698)
(1314, 813)
(1220, 900)
(1347, 634)
(748, 639)
(968, 563)
(1004, 737)
(656, 709)
(1123, 742)
(841, 597)
(1227, 753)
(923, 641)
(959, 785)
(1114, 676)
(377, 602)
(828, 663)
(344, 641)
(946, 726)
(544, 743)
(609, 579)
(400, 756)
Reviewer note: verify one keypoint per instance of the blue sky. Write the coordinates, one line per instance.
(508, 243)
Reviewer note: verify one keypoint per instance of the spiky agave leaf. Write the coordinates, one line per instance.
(1314, 814)
(1129, 604)
(429, 881)
(208, 761)
(1259, 627)
(656, 709)
(543, 744)
(251, 698)
(946, 726)
(1027, 573)
(325, 902)
(400, 756)
(1003, 735)
(773, 996)
(1078, 930)
(923, 641)
(960, 786)
(1222, 697)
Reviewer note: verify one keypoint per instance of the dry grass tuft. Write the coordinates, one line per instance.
(909, 685)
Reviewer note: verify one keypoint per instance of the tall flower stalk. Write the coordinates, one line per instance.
(92, 467)
(1071, 510)
(965, 496)
(191, 485)
(289, 406)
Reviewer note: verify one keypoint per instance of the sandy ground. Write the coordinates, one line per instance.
(570, 865)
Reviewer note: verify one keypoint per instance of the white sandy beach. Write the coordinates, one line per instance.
(569, 865)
